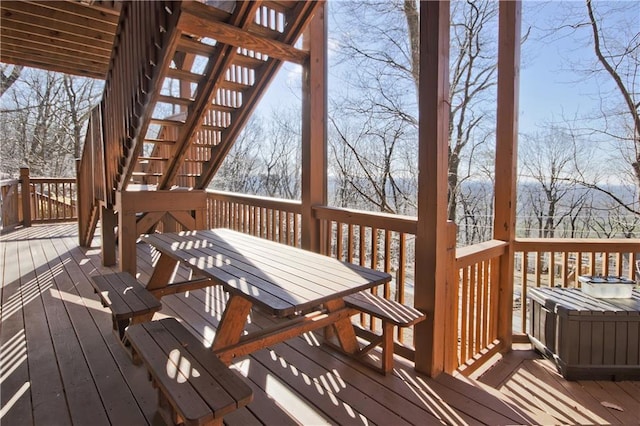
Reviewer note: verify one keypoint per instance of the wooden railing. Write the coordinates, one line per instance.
(91, 178)
(10, 211)
(30, 200)
(53, 200)
(139, 56)
(270, 218)
(474, 314)
(554, 262)
(387, 242)
(379, 241)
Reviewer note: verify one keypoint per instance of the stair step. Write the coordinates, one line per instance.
(153, 159)
(248, 61)
(189, 45)
(147, 174)
(165, 122)
(212, 128)
(232, 85)
(184, 75)
(223, 108)
(160, 141)
(175, 100)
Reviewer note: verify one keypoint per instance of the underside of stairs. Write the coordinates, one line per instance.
(215, 62)
(183, 81)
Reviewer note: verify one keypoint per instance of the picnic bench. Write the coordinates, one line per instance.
(392, 314)
(129, 301)
(194, 386)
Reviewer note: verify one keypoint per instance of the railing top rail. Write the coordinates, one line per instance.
(391, 222)
(577, 244)
(8, 182)
(469, 255)
(52, 180)
(294, 206)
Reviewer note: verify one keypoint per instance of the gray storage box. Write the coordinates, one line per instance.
(589, 338)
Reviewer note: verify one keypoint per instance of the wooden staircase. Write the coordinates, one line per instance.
(184, 79)
(222, 62)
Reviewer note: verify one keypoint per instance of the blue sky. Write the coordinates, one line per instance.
(547, 89)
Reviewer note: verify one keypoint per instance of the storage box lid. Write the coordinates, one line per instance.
(600, 279)
(572, 301)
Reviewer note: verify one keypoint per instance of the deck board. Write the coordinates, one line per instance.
(61, 364)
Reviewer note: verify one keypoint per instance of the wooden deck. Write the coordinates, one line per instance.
(61, 364)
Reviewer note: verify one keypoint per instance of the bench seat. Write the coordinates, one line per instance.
(392, 314)
(194, 386)
(129, 301)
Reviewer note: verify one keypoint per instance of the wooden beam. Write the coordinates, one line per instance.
(314, 129)
(55, 55)
(85, 33)
(61, 11)
(431, 236)
(507, 157)
(162, 201)
(15, 36)
(93, 11)
(26, 196)
(28, 61)
(108, 223)
(197, 20)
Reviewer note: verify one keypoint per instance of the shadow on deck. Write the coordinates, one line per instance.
(61, 364)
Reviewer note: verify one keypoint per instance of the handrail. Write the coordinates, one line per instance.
(379, 241)
(475, 285)
(139, 55)
(471, 255)
(274, 219)
(258, 201)
(53, 199)
(566, 244)
(91, 178)
(391, 222)
(37, 200)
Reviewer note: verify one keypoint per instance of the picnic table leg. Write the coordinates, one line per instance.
(162, 272)
(231, 326)
(344, 329)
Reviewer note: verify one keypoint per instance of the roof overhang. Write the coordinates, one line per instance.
(73, 37)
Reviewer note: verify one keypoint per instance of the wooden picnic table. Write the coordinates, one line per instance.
(303, 288)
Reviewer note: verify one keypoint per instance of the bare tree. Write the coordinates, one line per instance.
(238, 172)
(372, 149)
(43, 120)
(621, 61)
(610, 31)
(547, 162)
(265, 160)
(378, 59)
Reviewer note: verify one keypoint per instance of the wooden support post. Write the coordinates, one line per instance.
(179, 203)
(507, 157)
(26, 196)
(127, 234)
(452, 294)
(314, 129)
(108, 222)
(431, 235)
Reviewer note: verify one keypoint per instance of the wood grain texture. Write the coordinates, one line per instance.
(299, 381)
